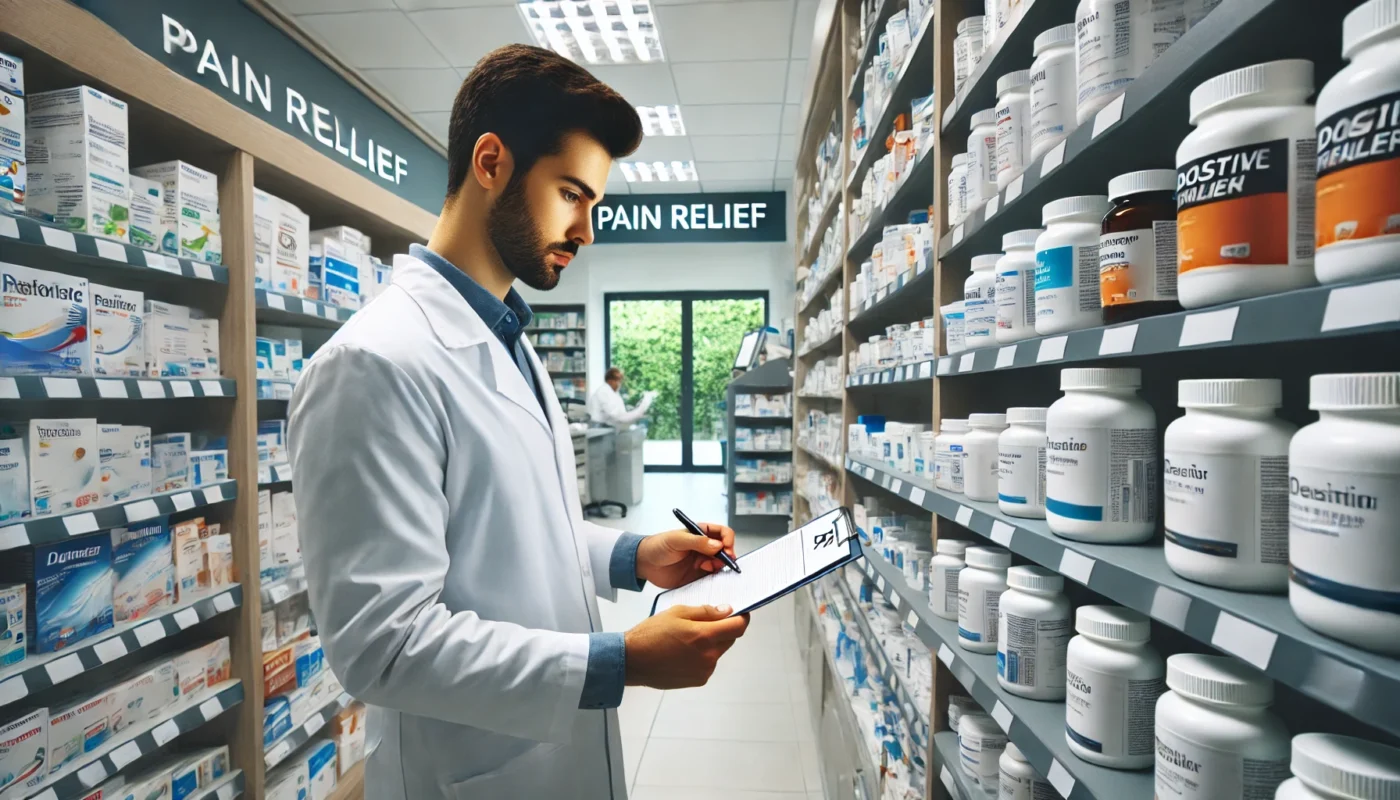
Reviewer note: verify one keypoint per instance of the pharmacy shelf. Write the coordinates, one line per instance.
(34, 387)
(845, 710)
(1037, 727)
(566, 372)
(914, 717)
(1142, 127)
(947, 759)
(225, 788)
(914, 194)
(909, 373)
(762, 453)
(822, 457)
(279, 391)
(825, 286)
(761, 419)
(300, 312)
(269, 474)
(278, 750)
(351, 785)
(25, 240)
(871, 38)
(915, 79)
(141, 740)
(1012, 52)
(812, 396)
(819, 230)
(1257, 628)
(909, 298)
(829, 344)
(38, 672)
(46, 530)
(1318, 312)
(279, 589)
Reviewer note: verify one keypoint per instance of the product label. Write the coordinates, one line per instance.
(1138, 266)
(1021, 474)
(1358, 172)
(1235, 207)
(1031, 652)
(1342, 543)
(1013, 788)
(976, 606)
(980, 756)
(1015, 300)
(948, 468)
(1189, 770)
(1110, 714)
(1052, 101)
(943, 593)
(1012, 147)
(1101, 474)
(1105, 55)
(1208, 509)
(1066, 280)
(979, 314)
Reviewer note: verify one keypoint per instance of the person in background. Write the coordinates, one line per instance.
(606, 406)
(452, 575)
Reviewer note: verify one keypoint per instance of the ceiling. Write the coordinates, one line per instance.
(737, 68)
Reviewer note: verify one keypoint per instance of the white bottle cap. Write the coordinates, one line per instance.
(988, 557)
(1025, 415)
(1357, 391)
(950, 547)
(953, 426)
(1035, 579)
(1291, 75)
(1022, 238)
(987, 116)
(1230, 392)
(986, 422)
(1147, 180)
(968, 23)
(1100, 378)
(959, 160)
(1058, 35)
(1094, 205)
(1014, 751)
(1218, 679)
(1012, 81)
(986, 261)
(1112, 623)
(1347, 767)
(1366, 23)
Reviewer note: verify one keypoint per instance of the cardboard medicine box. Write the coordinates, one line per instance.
(13, 172)
(124, 455)
(189, 560)
(150, 230)
(78, 725)
(265, 213)
(144, 570)
(291, 251)
(118, 343)
(170, 462)
(14, 637)
(64, 466)
(77, 153)
(167, 340)
(24, 752)
(69, 589)
(14, 476)
(144, 695)
(191, 209)
(43, 323)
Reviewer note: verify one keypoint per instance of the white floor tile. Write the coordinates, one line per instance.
(811, 765)
(632, 749)
(738, 722)
(757, 766)
(638, 710)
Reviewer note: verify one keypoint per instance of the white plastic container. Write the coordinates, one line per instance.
(1013, 125)
(1033, 630)
(1052, 89)
(980, 585)
(953, 327)
(1067, 265)
(1015, 286)
(943, 571)
(1216, 737)
(1245, 185)
(948, 455)
(1021, 463)
(1101, 458)
(959, 704)
(980, 744)
(1019, 780)
(967, 49)
(1343, 481)
(1332, 767)
(980, 456)
(982, 158)
(1113, 679)
(1225, 479)
(1358, 145)
(957, 190)
(980, 303)
(1117, 40)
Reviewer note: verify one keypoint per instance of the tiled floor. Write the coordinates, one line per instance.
(747, 734)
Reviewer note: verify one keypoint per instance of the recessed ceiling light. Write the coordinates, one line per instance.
(648, 171)
(661, 120)
(595, 31)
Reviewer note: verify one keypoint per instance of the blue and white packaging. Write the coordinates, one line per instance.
(265, 209)
(208, 466)
(13, 634)
(143, 570)
(320, 768)
(295, 360)
(64, 466)
(12, 74)
(144, 695)
(14, 475)
(154, 784)
(319, 252)
(170, 462)
(77, 153)
(184, 779)
(70, 589)
(24, 752)
(262, 355)
(78, 725)
(13, 170)
(340, 282)
(149, 230)
(281, 365)
(124, 453)
(167, 345)
(118, 345)
(287, 782)
(277, 719)
(43, 323)
(203, 346)
(290, 250)
(309, 659)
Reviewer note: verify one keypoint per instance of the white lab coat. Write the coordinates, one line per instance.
(606, 406)
(451, 572)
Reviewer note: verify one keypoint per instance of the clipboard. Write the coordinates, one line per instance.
(778, 568)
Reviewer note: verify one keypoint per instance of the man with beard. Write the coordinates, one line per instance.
(452, 576)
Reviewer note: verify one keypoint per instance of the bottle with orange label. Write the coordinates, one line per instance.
(1245, 185)
(1358, 150)
(1137, 247)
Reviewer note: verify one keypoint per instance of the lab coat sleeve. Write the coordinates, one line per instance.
(368, 460)
(625, 417)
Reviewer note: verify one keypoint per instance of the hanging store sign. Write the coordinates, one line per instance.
(657, 218)
(234, 52)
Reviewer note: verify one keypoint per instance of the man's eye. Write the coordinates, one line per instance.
(571, 197)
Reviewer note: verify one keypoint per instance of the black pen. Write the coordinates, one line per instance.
(695, 529)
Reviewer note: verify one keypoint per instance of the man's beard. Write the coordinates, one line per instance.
(518, 241)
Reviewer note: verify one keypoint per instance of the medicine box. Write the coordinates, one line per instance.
(291, 251)
(262, 358)
(77, 725)
(189, 559)
(340, 282)
(191, 208)
(310, 660)
(43, 323)
(153, 784)
(218, 663)
(167, 345)
(124, 457)
(170, 462)
(143, 570)
(113, 789)
(203, 348)
(281, 365)
(118, 345)
(198, 770)
(287, 782)
(204, 666)
(279, 672)
(69, 586)
(76, 148)
(295, 358)
(277, 719)
(293, 619)
(218, 561)
(320, 251)
(12, 74)
(24, 752)
(13, 634)
(286, 547)
(14, 475)
(184, 779)
(265, 556)
(265, 213)
(349, 240)
(13, 172)
(208, 466)
(150, 230)
(268, 622)
(320, 768)
(64, 466)
(144, 695)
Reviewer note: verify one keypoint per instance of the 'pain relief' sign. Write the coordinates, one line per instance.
(656, 218)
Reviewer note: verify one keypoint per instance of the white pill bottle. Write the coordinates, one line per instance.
(1225, 485)
(1358, 150)
(1052, 89)
(1013, 125)
(1331, 767)
(957, 190)
(1016, 286)
(980, 744)
(943, 571)
(1019, 780)
(1033, 630)
(948, 455)
(953, 327)
(982, 158)
(980, 586)
(980, 456)
(980, 302)
(1101, 458)
(1343, 513)
(1115, 41)
(1113, 678)
(1216, 736)
(1067, 264)
(1021, 463)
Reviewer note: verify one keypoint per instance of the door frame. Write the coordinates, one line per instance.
(687, 396)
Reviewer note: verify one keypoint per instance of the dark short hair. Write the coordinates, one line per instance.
(532, 98)
(612, 374)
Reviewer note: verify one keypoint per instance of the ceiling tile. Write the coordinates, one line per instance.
(792, 118)
(734, 148)
(784, 171)
(719, 82)
(754, 29)
(417, 89)
(373, 39)
(299, 7)
(734, 170)
(663, 148)
(765, 185)
(421, 5)
(804, 29)
(665, 187)
(435, 122)
(783, 185)
(787, 148)
(796, 81)
(641, 84)
(464, 35)
(732, 119)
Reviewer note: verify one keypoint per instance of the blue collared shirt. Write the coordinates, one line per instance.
(606, 674)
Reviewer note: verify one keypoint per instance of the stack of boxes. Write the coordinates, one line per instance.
(76, 147)
(189, 208)
(12, 157)
(278, 364)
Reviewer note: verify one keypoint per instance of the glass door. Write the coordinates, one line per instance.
(717, 327)
(644, 341)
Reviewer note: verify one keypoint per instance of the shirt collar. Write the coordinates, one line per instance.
(506, 319)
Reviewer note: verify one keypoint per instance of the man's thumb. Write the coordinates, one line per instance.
(703, 613)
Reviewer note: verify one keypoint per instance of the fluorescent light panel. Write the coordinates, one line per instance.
(664, 171)
(595, 31)
(661, 120)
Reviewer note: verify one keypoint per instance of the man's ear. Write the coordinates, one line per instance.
(492, 163)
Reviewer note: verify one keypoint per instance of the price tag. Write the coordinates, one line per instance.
(1052, 349)
(12, 536)
(948, 783)
(141, 509)
(1208, 327)
(1077, 566)
(111, 390)
(926, 369)
(213, 494)
(945, 364)
(993, 206)
(964, 516)
(965, 363)
(92, 774)
(55, 237)
(276, 754)
(110, 650)
(1006, 356)
(945, 654)
(110, 250)
(1108, 116)
(186, 617)
(155, 261)
(1058, 776)
(212, 388)
(330, 312)
(1356, 306)
(880, 584)
(912, 620)
(165, 732)
(1003, 716)
(150, 632)
(1013, 189)
(1244, 639)
(885, 481)
(79, 524)
(1171, 607)
(14, 688)
(896, 486)
(9, 390)
(1118, 340)
(125, 754)
(315, 724)
(183, 501)
(151, 390)
(182, 388)
(226, 791)
(1002, 533)
(202, 270)
(211, 708)
(62, 388)
(957, 235)
(865, 379)
(916, 495)
(9, 228)
(223, 602)
(64, 668)
(276, 301)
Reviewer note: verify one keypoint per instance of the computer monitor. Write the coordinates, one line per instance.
(749, 349)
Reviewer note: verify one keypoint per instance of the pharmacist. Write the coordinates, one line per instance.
(605, 405)
(452, 575)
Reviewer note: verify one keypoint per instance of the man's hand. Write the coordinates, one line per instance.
(675, 558)
(679, 648)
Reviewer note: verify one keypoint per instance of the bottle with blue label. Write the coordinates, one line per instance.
(1067, 265)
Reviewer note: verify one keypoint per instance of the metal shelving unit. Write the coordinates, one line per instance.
(60, 527)
(770, 378)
